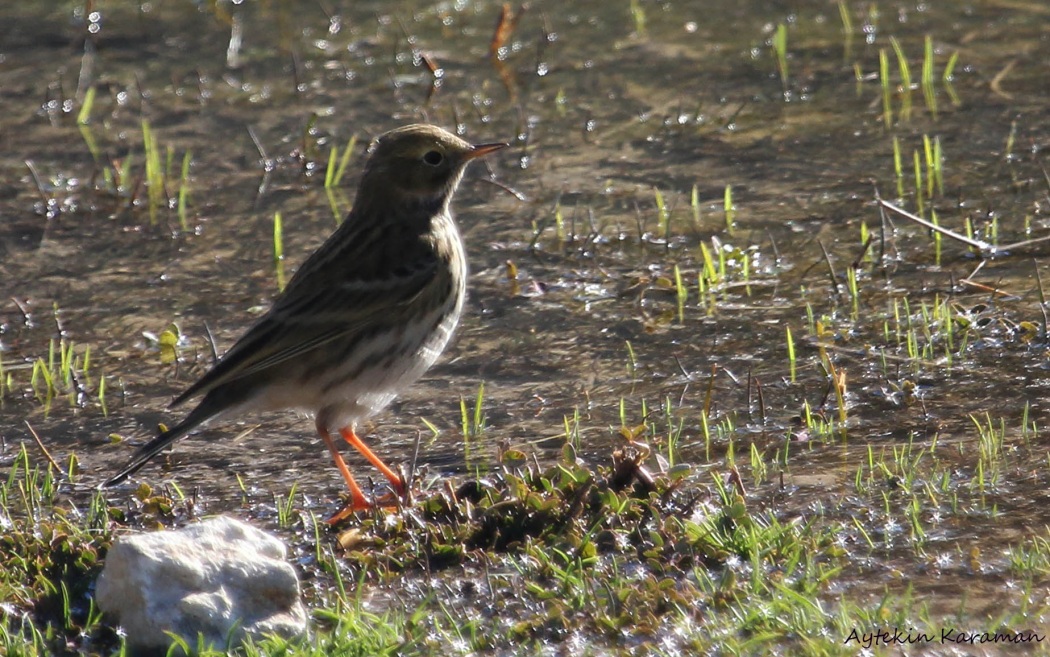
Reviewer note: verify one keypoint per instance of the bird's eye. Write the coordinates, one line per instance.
(433, 158)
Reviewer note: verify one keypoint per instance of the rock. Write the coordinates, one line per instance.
(221, 578)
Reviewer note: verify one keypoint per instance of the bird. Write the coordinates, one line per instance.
(365, 315)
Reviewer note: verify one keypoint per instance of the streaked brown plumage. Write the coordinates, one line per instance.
(364, 316)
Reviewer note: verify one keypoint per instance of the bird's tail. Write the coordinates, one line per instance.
(155, 446)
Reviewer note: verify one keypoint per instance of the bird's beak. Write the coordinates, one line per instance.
(479, 150)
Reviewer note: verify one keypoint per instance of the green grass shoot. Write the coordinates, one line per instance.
(184, 192)
(887, 92)
(638, 17)
(780, 51)
(101, 393)
(729, 209)
(663, 216)
(337, 165)
(694, 205)
(278, 250)
(898, 167)
(854, 292)
(847, 29)
(682, 293)
(917, 168)
(154, 171)
(559, 222)
(84, 115)
(936, 238)
(329, 173)
(929, 92)
(473, 420)
(906, 84)
(710, 272)
(83, 125)
(949, 76)
(938, 165)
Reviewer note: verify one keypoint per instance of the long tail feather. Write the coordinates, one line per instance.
(155, 446)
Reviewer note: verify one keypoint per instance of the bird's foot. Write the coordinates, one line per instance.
(390, 501)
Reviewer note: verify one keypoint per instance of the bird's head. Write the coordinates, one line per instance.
(419, 163)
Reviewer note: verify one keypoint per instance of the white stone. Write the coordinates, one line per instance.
(220, 578)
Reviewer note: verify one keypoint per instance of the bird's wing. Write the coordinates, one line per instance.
(319, 311)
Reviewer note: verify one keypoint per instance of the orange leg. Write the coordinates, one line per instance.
(358, 502)
(395, 481)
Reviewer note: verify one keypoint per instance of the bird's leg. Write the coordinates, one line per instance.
(358, 502)
(395, 481)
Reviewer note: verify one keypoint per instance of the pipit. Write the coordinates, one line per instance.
(364, 317)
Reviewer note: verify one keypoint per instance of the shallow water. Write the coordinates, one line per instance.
(599, 116)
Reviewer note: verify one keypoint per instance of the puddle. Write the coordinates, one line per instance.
(606, 126)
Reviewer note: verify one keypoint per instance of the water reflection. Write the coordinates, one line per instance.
(612, 131)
